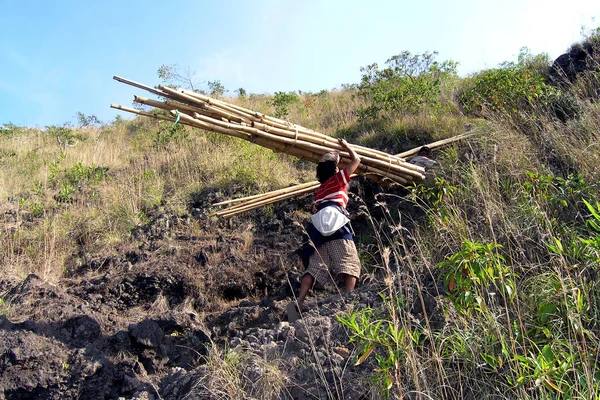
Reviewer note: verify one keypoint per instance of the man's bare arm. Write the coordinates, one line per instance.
(354, 158)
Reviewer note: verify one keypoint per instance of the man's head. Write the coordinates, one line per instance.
(327, 167)
(325, 170)
(425, 152)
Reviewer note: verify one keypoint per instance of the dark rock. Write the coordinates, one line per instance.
(147, 333)
(82, 330)
(579, 59)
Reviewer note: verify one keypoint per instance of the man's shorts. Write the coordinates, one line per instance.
(340, 255)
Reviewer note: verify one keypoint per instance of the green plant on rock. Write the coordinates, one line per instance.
(375, 333)
(474, 274)
(65, 193)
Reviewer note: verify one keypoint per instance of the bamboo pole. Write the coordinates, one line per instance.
(199, 103)
(321, 149)
(303, 153)
(250, 115)
(279, 123)
(211, 100)
(268, 194)
(174, 105)
(434, 145)
(164, 105)
(247, 118)
(253, 205)
(276, 134)
(332, 143)
(140, 86)
(297, 152)
(144, 113)
(290, 194)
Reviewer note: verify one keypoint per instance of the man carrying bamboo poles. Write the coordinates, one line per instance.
(330, 231)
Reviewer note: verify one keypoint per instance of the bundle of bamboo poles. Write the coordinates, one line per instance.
(243, 204)
(200, 111)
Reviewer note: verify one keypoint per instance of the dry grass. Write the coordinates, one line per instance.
(236, 374)
(489, 204)
(48, 218)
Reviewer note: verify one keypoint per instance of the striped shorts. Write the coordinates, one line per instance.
(340, 255)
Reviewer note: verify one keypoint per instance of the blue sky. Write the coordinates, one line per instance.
(58, 57)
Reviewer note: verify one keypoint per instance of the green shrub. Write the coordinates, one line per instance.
(216, 88)
(168, 133)
(508, 90)
(381, 335)
(9, 130)
(64, 135)
(474, 273)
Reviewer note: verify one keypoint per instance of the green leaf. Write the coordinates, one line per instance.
(548, 354)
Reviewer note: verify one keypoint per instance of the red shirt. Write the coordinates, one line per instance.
(334, 189)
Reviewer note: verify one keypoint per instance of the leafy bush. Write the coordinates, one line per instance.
(9, 130)
(65, 136)
(241, 93)
(564, 198)
(168, 133)
(216, 88)
(70, 179)
(87, 120)
(380, 334)
(472, 274)
(507, 90)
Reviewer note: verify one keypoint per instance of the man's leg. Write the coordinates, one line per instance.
(346, 262)
(349, 282)
(307, 282)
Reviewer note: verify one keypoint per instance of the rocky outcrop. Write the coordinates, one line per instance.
(580, 58)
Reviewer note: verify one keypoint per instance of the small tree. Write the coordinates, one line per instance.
(282, 101)
(87, 120)
(173, 76)
(241, 93)
(409, 84)
(216, 88)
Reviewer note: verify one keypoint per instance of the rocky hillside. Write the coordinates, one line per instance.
(116, 283)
